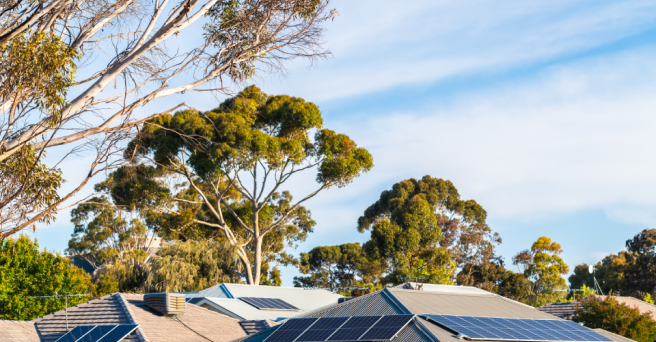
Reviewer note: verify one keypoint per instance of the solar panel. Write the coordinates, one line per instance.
(98, 333)
(119, 333)
(356, 328)
(76, 333)
(269, 303)
(514, 329)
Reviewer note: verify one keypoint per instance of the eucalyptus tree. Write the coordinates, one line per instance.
(73, 72)
(424, 227)
(233, 162)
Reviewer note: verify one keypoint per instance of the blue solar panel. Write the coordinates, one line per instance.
(76, 333)
(119, 333)
(514, 329)
(334, 329)
(97, 333)
(269, 303)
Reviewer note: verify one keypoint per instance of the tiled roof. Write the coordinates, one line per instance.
(255, 326)
(18, 331)
(560, 310)
(196, 324)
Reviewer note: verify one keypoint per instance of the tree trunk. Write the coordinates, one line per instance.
(258, 260)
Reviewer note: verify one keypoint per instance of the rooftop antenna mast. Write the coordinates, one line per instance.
(597, 287)
(65, 295)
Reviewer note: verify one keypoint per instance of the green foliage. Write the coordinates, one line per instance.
(250, 135)
(407, 225)
(25, 271)
(615, 317)
(330, 266)
(495, 278)
(647, 298)
(128, 275)
(37, 67)
(186, 266)
(104, 285)
(27, 186)
(544, 267)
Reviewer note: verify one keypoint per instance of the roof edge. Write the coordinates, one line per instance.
(387, 293)
(128, 312)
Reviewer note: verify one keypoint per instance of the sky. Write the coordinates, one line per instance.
(541, 111)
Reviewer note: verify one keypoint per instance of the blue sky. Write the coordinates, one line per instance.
(542, 111)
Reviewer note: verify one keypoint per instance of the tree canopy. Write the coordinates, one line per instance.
(618, 318)
(251, 138)
(330, 266)
(422, 227)
(26, 271)
(544, 267)
(129, 62)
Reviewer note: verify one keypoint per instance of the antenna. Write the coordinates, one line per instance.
(65, 295)
(597, 287)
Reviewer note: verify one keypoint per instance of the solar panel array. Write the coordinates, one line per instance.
(337, 329)
(269, 304)
(514, 329)
(98, 333)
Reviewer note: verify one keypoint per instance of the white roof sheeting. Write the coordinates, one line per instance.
(224, 298)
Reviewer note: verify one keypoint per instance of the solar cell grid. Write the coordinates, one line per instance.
(513, 329)
(269, 303)
(118, 333)
(97, 333)
(75, 333)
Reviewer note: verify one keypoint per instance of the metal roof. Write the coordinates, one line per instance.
(401, 301)
(224, 298)
(443, 288)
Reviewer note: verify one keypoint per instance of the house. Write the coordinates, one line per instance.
(238, 301)
(190, 323)
(422, 316)
(566, 310)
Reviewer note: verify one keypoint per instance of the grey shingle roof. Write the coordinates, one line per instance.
(195, 325)
(560, 310)
(18, 331)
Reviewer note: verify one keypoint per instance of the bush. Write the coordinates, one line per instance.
(619, 318)
(25, 271)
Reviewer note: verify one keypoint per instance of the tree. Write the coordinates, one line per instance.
(330, 266)
(495, 278)
(191, 266)
(26, 272)
(119, 223)
(543, 266)
(43, 42)
(425, 222)
(615, 317)
(234, 160)
(640, 275)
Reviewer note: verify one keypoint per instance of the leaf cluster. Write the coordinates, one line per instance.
(619, 318)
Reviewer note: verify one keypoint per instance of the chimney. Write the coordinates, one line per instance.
(166, 303)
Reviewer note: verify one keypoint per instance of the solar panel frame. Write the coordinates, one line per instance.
(274, 304)
(515, 329)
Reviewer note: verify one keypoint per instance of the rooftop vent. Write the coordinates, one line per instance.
(166, 303)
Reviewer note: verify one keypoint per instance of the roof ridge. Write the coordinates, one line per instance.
(130, 315)
(38, 319)
(333, 306)
(395, 301)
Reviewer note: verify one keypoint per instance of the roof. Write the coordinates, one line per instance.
(255, 326)
(224, 298)
(195, 325)
(442, 288)
(565, 310)
(18, 331)
(444, 301)
(561, 310)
